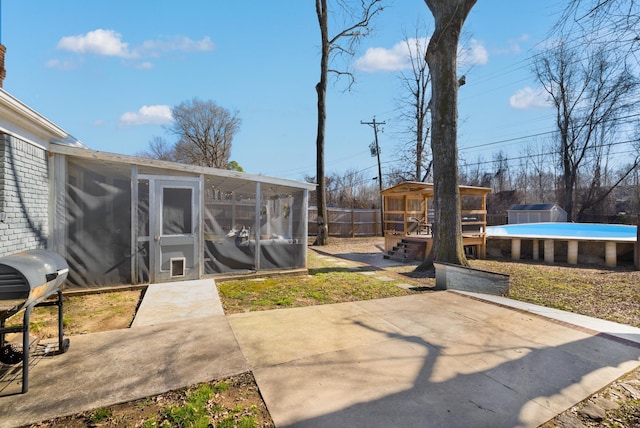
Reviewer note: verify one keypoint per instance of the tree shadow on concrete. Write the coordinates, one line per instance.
(520, 392)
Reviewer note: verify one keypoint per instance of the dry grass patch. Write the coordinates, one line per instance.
(600, 292)
(85, 313)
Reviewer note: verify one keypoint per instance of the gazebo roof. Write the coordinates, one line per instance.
(416, 188)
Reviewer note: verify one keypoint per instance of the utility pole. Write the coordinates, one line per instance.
(376, 148)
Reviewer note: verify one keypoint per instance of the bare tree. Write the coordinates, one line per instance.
(629, 198)
(614, 24)
(352, 189)
(589, 94)
(600, 179)
(537, 175)
(205, 133)
(414, 109)
(449, 16)
(159, 149)
(475, 173)
(358, 15)
(501, 176)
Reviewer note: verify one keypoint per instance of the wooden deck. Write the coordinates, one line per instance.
(407, 218)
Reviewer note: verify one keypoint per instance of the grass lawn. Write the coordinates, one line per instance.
(326, 283)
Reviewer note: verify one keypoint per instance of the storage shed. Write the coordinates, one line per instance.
(120, 219)
(536, 213)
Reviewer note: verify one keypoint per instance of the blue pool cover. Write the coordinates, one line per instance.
(578, 231)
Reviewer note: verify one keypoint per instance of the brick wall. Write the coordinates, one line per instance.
(24, 196)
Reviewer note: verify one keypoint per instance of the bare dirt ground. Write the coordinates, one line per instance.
(87, 313)
(233, 402)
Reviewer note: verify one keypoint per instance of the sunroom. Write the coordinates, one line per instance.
(122, 219)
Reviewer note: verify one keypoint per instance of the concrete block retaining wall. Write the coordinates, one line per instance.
(454, 277)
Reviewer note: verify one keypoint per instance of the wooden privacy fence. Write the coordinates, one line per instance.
(347, 223)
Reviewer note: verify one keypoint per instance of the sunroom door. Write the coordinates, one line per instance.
(175, 222)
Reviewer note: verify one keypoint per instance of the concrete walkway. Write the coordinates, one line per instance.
(176, 301)
(435, 359)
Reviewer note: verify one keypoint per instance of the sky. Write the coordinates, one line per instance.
(109, 72)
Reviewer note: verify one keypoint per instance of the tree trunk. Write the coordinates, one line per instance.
(322, 221)
(321, 90)
(419, 147)
(568, 193)
(442, 52)
(352, 33)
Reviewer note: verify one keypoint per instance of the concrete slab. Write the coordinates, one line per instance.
(406, 286)
(384, 278)
(621, 331)
(101, 369)
(377, 259)
(173, 301)
(438, 359)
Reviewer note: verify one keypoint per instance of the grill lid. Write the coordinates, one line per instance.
(23, 272)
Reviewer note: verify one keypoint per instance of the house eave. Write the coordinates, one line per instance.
(19, 119)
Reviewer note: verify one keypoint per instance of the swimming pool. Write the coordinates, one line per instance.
(617, 239)
(568, 231)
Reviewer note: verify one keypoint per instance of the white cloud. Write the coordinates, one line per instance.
(398, 57)
(67, 64)
(474, 54)
(176, 43)
(110, 43)
(381, 59)
(528, 98)
(147, 115)
(97, 42)
(513, 46)
(395, 59)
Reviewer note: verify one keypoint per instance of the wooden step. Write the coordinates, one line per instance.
(406, 250)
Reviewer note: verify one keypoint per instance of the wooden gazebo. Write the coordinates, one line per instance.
(408, 220)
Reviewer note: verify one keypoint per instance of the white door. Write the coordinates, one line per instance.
(175, 225)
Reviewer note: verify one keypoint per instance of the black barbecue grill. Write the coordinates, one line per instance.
(26, 280)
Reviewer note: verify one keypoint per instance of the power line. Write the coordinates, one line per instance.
(555, 153)
(524, 137)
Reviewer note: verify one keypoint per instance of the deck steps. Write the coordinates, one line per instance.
(407, 250)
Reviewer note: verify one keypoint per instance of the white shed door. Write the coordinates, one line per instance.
(175, 222)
